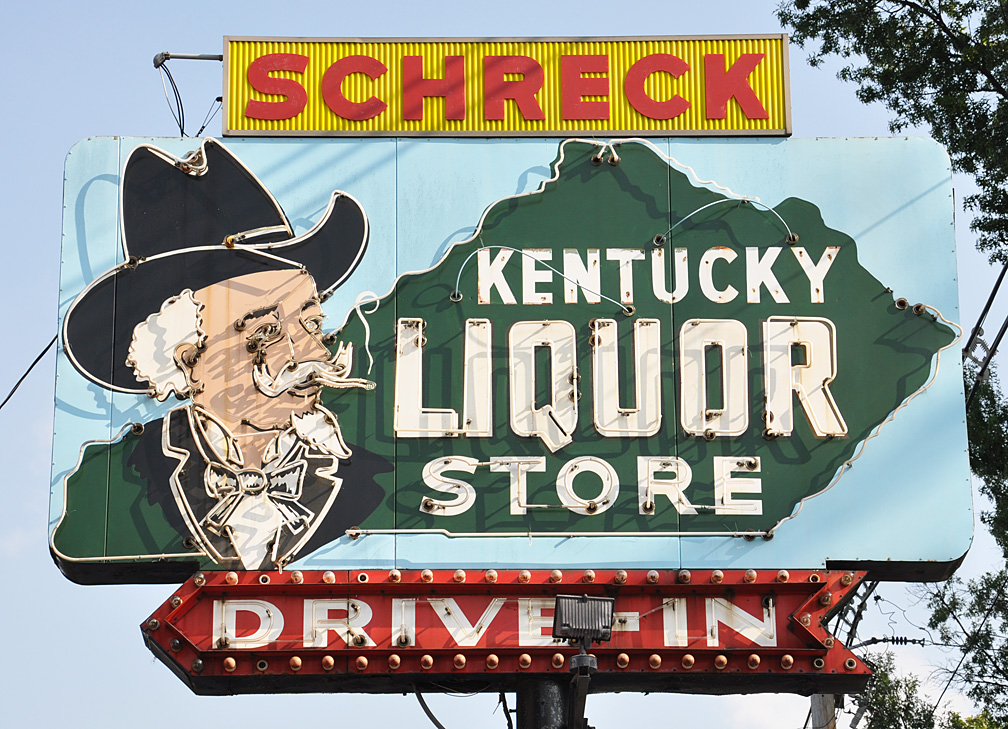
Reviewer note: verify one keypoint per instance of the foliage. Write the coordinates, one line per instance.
(980, 721)
(973, 618)
(970, 618)
(987, 426)
(936, 63)
(892, 702)
(942, 64)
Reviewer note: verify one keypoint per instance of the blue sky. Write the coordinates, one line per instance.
(74, 655)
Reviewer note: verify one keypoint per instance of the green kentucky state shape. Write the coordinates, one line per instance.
(884, 355)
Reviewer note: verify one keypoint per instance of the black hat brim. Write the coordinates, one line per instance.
(98, 328)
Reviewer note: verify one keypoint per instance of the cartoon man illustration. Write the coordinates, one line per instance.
(218, 303)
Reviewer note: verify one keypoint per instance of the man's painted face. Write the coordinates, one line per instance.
(263, 348)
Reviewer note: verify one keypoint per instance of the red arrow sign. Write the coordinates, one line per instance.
(710, 631)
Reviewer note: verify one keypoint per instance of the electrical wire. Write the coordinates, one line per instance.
(427, 711)
(906, 619)
(27, 372)
(211, 113)
(180, 116)
(983, 622)
(889, 616)
(750, 200)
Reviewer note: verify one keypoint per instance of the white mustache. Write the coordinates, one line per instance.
(305, 374)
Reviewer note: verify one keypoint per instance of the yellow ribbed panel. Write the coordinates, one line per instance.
(768, 81)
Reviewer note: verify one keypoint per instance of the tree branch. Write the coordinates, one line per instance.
(956, 39)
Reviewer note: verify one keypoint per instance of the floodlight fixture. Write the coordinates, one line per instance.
(583, 619)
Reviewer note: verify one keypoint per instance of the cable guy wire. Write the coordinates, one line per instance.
(27, 372)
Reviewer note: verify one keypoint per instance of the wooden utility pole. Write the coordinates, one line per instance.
(823, 711)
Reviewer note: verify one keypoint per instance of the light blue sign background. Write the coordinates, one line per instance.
(907, 499)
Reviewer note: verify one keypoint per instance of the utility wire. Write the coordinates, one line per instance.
(27, 372)
(160, 63)
(215, 106)
(983, 622)
(180, 115)
(427, 711)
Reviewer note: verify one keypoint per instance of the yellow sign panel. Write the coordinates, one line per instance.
(656, 86)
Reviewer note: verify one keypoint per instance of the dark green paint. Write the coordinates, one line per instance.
(884, 354)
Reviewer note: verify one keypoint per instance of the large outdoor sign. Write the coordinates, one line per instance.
(715, 631)
(649, 86)
(519, 354)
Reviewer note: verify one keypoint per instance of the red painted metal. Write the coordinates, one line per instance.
(769, 628)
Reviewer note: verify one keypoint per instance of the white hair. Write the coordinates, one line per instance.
(153, 353)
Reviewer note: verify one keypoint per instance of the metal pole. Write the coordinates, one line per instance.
(160, 58)
(542, 704)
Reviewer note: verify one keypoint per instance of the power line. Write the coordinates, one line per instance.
(427, 711)
(983, 622)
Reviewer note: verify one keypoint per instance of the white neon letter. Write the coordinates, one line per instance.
(759, 273)
(464, 633)
(532, 622)
(532, 275)
(404, 621)
(626, 257)
(477, 369)
(648, 483)
(225, 621)
(464, 493)
(518, 467)
(816, 273)
(586, 277)
(643, 417)
(726, 485)
(815, 340)
(712, 292)
(674, 617)
(680, 275)
(587, 464)
(761, 632)
(728, 338)
(491, 276)
(555, 421)
(350, 629)
(412, 419)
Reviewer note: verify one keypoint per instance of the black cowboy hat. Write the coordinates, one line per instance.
(188, 223)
